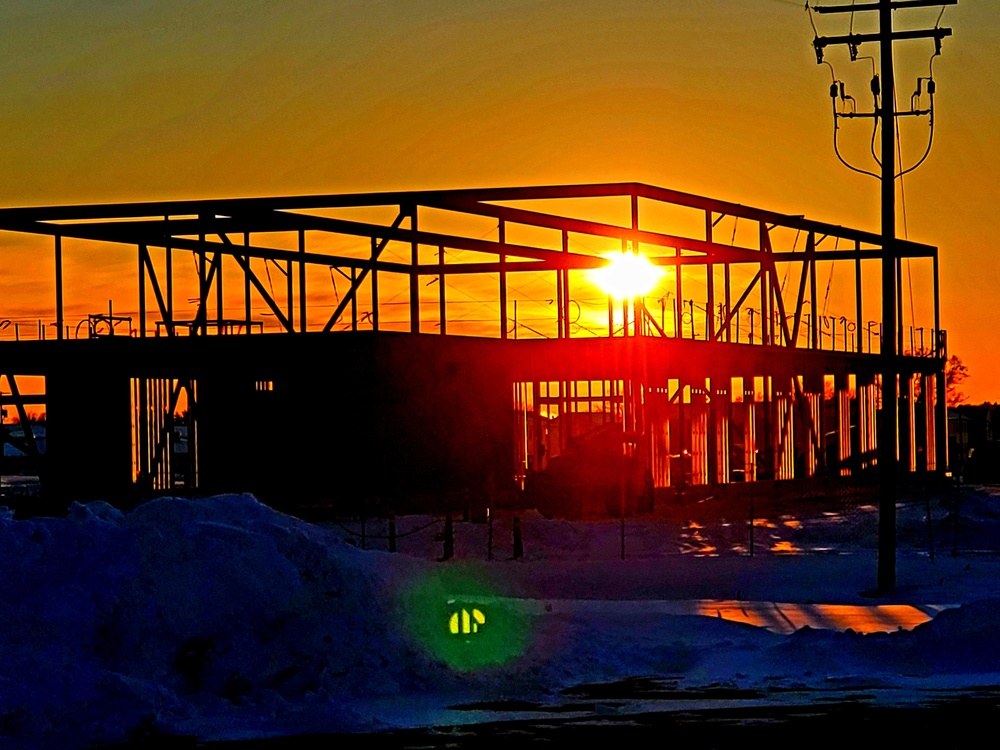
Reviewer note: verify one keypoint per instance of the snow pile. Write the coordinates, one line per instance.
(184, 614)
(956, 647)
(222, 618)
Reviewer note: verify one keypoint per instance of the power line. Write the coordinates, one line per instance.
(886, 114)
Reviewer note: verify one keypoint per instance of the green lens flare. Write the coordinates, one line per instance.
(457, 619)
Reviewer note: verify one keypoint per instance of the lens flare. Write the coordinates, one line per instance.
(627, 275)
(459, 620)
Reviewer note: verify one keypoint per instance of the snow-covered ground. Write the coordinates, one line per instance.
(221, 618)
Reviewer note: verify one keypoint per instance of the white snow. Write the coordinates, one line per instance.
(221, 618)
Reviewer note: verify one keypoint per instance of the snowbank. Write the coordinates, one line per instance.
(185, 615)
(222, 618)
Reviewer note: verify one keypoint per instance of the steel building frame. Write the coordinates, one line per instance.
(776, 378)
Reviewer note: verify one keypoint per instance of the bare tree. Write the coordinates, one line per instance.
(955, 374)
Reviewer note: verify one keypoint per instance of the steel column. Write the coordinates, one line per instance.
(303, 325)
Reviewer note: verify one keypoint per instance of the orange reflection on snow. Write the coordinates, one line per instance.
(693, 543)
(785, 547)
(782, 617)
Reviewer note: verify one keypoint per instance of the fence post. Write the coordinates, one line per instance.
(449, 538)
(489, 534)
(930, 521)
(364, 524)
(954, 514)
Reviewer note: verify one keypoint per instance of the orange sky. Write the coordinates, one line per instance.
(106, 101)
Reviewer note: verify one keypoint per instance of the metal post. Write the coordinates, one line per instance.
(559, 300)
(354, 300)
(59, 289)
(248, 307)
(442, 302)
(638, 320)
(145, 449)
(767, 289)
(899, 306)
(302, 282)
(501, 239)
(729, 303)
(3, 431)
(563, 278)
(220, 316)
(414, 279)
(290, 295)
(202, 292)
(678, 312)
(142, 292)
(170, 286)
(374, 275)
(857, 292)
(763, 300)
(710, 303)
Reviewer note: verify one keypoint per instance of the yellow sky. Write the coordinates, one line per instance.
(105, 101)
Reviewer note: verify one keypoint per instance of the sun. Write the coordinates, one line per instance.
(626, 275)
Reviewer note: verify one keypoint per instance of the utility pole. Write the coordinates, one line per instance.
(885, 111)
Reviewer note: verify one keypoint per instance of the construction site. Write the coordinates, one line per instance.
(408, 350)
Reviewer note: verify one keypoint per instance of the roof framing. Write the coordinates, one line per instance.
(241, 228)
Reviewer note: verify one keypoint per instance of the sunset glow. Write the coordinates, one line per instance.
(532, 94)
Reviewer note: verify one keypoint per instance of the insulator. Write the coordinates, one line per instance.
(931, 87)
(876, 88)
(833, 90)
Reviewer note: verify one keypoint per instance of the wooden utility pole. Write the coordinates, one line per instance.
(884, 91)
(888, 427)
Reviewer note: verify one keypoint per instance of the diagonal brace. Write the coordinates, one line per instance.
(349, 297)
(244, 263)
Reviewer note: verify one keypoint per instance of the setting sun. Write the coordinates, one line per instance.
(627, 275)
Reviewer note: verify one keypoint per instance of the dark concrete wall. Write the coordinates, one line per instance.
(409, 420)
(88, 432)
